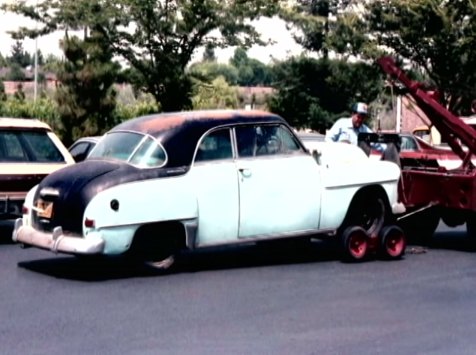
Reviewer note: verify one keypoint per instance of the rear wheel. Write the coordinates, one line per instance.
(157, 245)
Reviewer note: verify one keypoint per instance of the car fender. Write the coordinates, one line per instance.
(342, 181)
(124, 208)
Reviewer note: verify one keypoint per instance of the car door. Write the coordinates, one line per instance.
(215, 182)
(279, 183)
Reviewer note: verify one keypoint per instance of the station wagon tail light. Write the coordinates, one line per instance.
(89, 223)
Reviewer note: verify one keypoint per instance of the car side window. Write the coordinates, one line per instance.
(215, 145)
(80, 151)
(408, 143)
(265, 140)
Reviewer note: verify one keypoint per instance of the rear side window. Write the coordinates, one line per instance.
(28, 146)
(256, 140)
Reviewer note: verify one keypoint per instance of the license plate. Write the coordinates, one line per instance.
(44, 209)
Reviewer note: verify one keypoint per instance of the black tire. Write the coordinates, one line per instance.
(156, 247)
(392, 242)
(355, 243)
(421, 226)
(369, 213)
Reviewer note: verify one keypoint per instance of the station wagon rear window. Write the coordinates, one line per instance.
(19, 146)
(134, 148)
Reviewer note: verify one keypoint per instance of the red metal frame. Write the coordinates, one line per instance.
(425, 186)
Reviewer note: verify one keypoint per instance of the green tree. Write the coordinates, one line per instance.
(85, 96)
(251, 72)
(437, 36)
(3, 94)
(217, 95)
(157, 38)
(313, 93)
(19, 94)
(19, 56)
(209, 53)
(51, 63)
(314, 21)
(209, 71)
(16, 73)
(3, 61)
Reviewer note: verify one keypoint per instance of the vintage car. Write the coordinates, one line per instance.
(416, 152)
(29, 150)
(162, 183)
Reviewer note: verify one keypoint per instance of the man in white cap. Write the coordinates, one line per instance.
(348, 129)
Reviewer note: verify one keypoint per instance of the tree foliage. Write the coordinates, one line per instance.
(209, 53)
(157, 38)
(313, 22)
(208, 71)
(251, 72)
(217, 95)
(19, 56)
(436, 35)
(313, 93)
(85, 96)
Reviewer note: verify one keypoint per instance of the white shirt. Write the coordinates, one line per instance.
(344, 131)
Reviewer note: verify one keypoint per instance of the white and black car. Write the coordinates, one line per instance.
(162, 183)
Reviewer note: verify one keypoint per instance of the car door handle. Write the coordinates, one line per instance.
(245, 172)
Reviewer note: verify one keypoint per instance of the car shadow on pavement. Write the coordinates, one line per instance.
(6, 228)
(451, 240)
(448, 239)
(218, 258)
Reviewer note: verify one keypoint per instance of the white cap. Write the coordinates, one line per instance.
(361, 108)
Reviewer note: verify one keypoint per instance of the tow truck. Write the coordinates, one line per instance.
(428, 191)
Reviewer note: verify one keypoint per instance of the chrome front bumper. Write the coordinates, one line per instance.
(56, 242)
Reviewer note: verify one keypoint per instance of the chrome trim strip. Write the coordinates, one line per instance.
(48, 191)
(265, 237)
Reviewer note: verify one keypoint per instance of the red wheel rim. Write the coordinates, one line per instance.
(358, 245)
(394, 244)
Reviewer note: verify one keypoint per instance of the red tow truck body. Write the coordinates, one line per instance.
(427, 187)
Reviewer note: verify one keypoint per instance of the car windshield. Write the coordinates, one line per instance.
(134, 148)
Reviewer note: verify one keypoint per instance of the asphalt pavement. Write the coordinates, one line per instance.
(265, 299)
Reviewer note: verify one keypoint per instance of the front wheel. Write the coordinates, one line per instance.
(392, 242)
(369, 213)
(355, 242)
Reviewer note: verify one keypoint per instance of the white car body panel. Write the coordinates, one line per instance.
(273, 206)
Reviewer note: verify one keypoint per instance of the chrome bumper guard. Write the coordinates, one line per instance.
(57, 242)
(398, 208)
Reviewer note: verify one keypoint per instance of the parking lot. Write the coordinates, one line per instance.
(247, 300)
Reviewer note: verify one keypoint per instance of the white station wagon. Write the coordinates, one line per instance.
(162, 183)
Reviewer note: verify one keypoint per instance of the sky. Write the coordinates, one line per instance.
(273, 29)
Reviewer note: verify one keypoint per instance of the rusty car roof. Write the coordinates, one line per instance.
(156, 124)
(179, 132)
